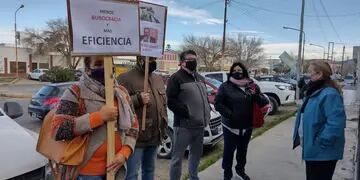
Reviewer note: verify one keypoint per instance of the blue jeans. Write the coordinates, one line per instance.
(145, 157)
(81, 177)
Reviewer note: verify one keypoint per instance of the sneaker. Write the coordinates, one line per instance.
(242, 176)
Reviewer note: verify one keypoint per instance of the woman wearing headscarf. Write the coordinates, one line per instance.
(234, 101)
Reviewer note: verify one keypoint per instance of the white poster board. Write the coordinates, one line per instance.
(101, 27)
(152, 29)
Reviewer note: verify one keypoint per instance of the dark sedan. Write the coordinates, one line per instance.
(46, 98)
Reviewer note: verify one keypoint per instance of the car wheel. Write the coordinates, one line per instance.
(166, 147)
(29, 77)
(274, 106)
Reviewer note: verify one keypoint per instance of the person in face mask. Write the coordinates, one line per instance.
(320, 123)
(187, 99)
(82, 111)
(156, 117)
(234, 101)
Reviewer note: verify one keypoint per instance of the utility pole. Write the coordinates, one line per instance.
(17, 37)
(300, 48)
(224, 35)
(332, 52)
(303, 56)
(328, 53)
(342, 61)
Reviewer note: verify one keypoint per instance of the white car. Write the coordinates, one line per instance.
(19, 159)
(35, 74)
(212, 133)
(278, 93)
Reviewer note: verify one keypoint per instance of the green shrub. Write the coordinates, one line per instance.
(58, 74)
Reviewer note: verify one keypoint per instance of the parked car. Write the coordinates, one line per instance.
(212, 133)
(275, 78)
(19, 159)
(46, 98)
(278, 93)
(35, 74)
(212, 86)
(348, 80)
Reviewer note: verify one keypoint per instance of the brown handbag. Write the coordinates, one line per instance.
(63, 152)
(69, 153)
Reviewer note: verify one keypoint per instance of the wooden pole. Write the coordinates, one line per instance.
(146, 79)
(109, 94)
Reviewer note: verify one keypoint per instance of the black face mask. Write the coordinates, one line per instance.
(191, 65)
(98, 75)
(152, 66)
(237, 75)
(313, 86)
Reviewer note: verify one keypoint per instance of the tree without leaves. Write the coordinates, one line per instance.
(208, 50)
(55, 38)
(240, 48)
(246, 50)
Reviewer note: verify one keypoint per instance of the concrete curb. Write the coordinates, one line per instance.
(15, 80)
(12, 82)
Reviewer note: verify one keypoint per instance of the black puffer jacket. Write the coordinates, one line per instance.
(236, 105)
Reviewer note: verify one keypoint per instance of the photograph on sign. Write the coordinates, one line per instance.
(152, 29)
(104, 27)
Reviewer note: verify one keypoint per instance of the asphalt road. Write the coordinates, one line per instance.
(25, 120)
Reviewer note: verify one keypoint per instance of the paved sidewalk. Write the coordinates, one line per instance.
(270, 157)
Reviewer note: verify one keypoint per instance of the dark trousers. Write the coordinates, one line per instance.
(320, 170)
(240, 143)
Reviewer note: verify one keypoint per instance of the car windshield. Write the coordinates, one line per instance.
(47, 91)
(217, 76)
(348, 77)
(214, 82)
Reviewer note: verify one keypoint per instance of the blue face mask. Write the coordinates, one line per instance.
(98, 75)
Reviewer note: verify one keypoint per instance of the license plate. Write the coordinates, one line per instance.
(219, 129)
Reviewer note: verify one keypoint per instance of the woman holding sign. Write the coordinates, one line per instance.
(82, 112)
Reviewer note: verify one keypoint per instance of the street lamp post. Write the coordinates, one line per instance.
(17, 36)
(311, 44)
(303, 45)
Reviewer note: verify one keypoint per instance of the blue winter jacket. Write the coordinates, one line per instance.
(324, 122)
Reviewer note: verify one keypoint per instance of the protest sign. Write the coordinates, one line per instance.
(152, 29)
(104, 27)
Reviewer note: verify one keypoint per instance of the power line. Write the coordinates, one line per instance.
(319, 21)
(331, 23)
(295, 14)
(256, 20)
(208, 4)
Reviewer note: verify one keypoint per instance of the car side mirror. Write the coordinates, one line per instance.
(13, 109)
